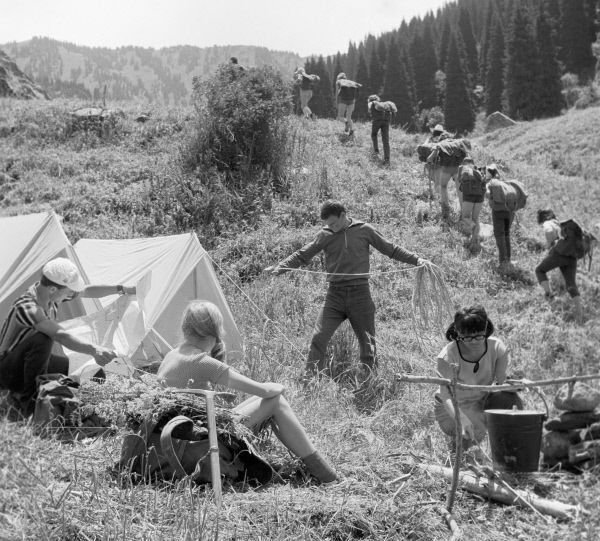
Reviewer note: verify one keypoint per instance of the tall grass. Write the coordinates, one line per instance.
(50, 490)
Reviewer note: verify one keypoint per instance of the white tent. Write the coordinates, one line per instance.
(27, 243)
(180, 271)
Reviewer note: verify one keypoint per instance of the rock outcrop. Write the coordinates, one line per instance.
(15, 84)
(498, 120)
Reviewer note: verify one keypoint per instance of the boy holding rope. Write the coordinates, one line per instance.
(346, 243)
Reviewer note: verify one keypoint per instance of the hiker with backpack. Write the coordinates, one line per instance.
(28, 334)
(346, 243)
(346, 92)
(471, 189)
(472, 357)
(438, 133)
(198, 362)
(306, 83)
(565, 243)
(381, 115)
(506, 197)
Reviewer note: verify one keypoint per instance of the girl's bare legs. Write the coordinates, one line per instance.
(289, 430)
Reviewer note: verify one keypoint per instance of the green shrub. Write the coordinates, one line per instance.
(242, 127)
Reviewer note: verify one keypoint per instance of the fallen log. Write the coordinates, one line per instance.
(492, 489)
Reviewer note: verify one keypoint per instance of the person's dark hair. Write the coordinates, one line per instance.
(331, 208)
(233, 60)
(543, 215)
(470, 320)
(46, 282)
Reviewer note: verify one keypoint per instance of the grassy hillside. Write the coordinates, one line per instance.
(104, 188)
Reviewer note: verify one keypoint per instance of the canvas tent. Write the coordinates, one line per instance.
(27, 243)
(180, 271)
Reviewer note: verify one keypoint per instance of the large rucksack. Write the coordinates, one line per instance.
(471, 181)
(451, 152)
(575, 241)
(509, 195)
(348, 90)
(181, 449)
(424, 151)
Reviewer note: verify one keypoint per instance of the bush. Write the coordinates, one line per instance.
(242, 126)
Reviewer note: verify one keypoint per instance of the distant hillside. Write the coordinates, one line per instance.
(132, 73)
(14, 83)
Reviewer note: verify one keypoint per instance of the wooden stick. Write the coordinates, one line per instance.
(458, 443)
(489, 488)
(449, 518)
(215, 466)
(506, 387)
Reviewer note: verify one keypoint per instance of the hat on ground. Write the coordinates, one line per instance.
(438, 128)
(373, 97)
(63, 272)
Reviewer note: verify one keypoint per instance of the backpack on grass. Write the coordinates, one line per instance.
(575, 241)
(509, 195)
(181, 449)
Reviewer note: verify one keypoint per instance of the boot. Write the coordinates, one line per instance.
(547, 290)
(320, 468)
(578, 309)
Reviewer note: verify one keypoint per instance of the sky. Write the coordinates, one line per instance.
(305, 27)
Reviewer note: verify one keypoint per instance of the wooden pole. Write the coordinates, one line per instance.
(496, 388)
(215, 466)
(489, 488)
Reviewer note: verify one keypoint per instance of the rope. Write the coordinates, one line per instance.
(357, 275)
(257, 308)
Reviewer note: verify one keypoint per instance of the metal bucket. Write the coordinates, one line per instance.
(515, 438)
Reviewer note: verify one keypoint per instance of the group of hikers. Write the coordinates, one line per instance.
(30, 331)
(346, 94)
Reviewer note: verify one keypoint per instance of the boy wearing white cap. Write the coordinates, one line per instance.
(30, 330)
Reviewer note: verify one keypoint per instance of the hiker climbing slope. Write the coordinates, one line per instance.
(506, 197)
(306, 83)
(472, 188)
(381, 115)
(565, 242)
(346, 243)
(346, 94)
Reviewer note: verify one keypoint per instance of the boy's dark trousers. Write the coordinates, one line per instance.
(384, 126)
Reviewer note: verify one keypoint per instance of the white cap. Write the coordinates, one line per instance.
(62, 271)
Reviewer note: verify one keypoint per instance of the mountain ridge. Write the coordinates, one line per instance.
(164, 75)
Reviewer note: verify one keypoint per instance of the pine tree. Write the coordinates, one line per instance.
(351, 61)
(396, 87)
(494, 76)
(376, 72)
(444, 46)
(362, 77)
(424, 63)
(521, 67)
(549, 97)
(575, 39)
(322, 103)
(470, 47)
(338, 68)
(486, 40)
(458, 108)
